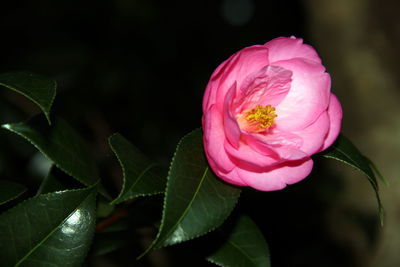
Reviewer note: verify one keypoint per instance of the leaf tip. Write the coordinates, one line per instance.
(6, 126)
(48, 117)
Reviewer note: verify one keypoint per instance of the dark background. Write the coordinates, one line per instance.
(136, 67)
(140, 68)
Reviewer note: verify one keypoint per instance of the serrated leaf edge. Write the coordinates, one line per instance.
(56, 228)
(216, 263)
(120, 198)
(7, 127)
(46, 113)
(239, 249)
(15, 196)
(152, 246)
(61, 191)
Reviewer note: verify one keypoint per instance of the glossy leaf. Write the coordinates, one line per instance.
(343, 150)
(38, 89)
(245, 246)
(61, 144)
(10, 190)
(140, 175)
(196, 201)
(48, 230)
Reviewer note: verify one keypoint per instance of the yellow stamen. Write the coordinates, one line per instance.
(263, 116)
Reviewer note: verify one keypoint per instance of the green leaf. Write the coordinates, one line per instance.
(343, 150)
(38, 89)
(141, 176)
(196, 201)
(54, 181)
(245, 246)
(49, 230)
(10, 190)
(61, 144)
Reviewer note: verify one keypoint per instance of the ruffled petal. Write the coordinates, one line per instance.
(238, 67)
(259, 151)
(214, 137)
(277, 177)
(283, 73)
(244, 154)
(268, 86)
(282, 145)
(335, 116)
(308, 96)
(284, 48)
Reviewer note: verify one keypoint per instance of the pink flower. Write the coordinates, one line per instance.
(266, 110)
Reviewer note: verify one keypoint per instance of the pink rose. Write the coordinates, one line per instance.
(266, 110)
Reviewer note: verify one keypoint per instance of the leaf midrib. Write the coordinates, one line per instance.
(352, 163)
(124, 191)
(242, 251)
(50, 234)
(141, 175)
(17, 89)
(44, 107)
(188, 206)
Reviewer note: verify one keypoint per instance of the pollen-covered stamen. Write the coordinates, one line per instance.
(263, 117)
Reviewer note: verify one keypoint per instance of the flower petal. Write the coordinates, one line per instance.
(246, 155)
(308, 96)
(268, 86)
(278, 176)
(235, 69)
(214, 137)
(287, 48)
(257, 150)
(231, 127)
(305, 117)
(335, 116)
(213, 83)
(283, 145)
(314, 135)
(231, 177)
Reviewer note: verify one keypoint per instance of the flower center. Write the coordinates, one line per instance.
(260, 116)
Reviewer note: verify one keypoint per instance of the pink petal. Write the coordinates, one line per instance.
(214, 137)
(268, 86)
(308, 96)
(283, 145)
(314, 135)
(211, 89)
(231, 177)
(259, 151)
(238, 67)
(277, 177)
(284, 48)
(244, 154)
(231, 127)
(335, 115)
